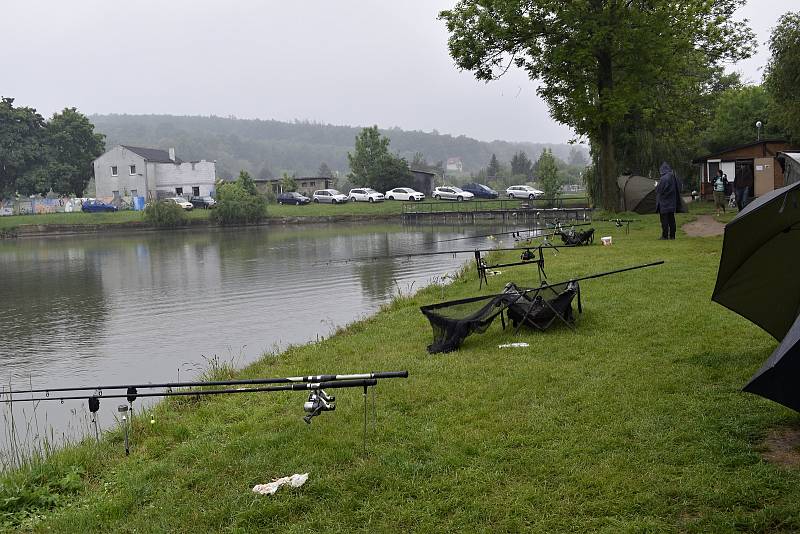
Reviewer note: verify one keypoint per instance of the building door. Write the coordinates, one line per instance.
(196, 191)
(744, 174)
(764, 175)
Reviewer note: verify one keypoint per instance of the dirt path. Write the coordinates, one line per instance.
(704, 226)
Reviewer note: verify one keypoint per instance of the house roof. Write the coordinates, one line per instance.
(738, 147)
(423, 172)
(155, 155)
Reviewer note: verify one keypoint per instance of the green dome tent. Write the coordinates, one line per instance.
(638, 194)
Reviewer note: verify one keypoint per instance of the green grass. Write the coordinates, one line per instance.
(350, 209)
(634, 422)
(80, 218)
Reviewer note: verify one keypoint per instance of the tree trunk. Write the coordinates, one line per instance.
(608, 169)
(607, 173)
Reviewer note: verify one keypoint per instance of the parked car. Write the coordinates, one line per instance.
(331, 196)
(180, 201)
(404, 193)
(365, 194)
(524, 191)
(480, 190)
(451, 193)
(293, 198)
(95, 206)
(203, 202)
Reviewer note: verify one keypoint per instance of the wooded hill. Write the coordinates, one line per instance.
(269, 147)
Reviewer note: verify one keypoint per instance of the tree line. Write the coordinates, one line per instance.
(38, 155)
(643, 82)
(269, 148)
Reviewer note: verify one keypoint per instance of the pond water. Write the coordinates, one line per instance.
(156, 306)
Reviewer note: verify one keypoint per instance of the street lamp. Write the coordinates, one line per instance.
(759, 124)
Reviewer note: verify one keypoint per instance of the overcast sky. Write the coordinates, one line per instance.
(356, 62)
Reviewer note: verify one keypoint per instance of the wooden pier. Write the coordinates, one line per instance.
(506, 211)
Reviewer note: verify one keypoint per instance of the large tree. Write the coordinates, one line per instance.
(735, 118)
(600, 60)
(37, 156)
(21, 133)
(547, 173)
(521, 164)
(71, 145)
(372, 164)
(782, 75)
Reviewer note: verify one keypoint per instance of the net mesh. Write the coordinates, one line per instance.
(537, 308)
(573, 237)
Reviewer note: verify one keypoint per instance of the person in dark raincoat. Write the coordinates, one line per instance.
(668, 199)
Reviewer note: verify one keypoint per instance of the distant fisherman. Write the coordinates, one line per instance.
(668, 199)
(720, 183)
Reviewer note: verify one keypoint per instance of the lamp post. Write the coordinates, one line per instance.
(759, 124)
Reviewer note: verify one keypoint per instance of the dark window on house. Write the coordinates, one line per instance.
(313, 184)
(115, 193)
(305, 184)
(132, 169)
(134, 193)
(178, 191)
(195, 191)
(114, 170)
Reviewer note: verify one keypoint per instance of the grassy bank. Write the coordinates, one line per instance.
(633, 422)
(350, 209)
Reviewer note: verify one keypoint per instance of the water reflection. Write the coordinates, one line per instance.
(152, 306)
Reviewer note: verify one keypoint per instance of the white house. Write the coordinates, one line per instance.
(454, 165)
(151, 173)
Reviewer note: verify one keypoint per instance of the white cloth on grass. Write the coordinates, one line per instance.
(295, 481)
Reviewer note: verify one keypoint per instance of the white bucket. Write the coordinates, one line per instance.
(606, 241)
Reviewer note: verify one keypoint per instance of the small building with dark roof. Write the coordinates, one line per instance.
(423, 181)
(305, 185)
(753, 165)
(130, 171)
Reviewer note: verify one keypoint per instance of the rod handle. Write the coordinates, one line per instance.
(390, 374)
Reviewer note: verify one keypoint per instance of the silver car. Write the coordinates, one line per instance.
(365, 194)
(451, 193)
(524, 191)
(329, 196)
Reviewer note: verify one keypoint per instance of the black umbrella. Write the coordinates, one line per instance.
(779, 377)
(758, 275)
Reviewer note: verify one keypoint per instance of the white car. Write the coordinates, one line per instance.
(365, 195)
(330, 196)
(404, 193)
(524, 191)
(182, 202)
(451, 193)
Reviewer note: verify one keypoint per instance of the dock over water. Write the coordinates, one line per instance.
(565, 209)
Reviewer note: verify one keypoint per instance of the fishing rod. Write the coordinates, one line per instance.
(130, 396)
(527, 258)
(620, 222)
(546, 286)
(318, 400)
(517, 232)
(246, 381)
(438, 253)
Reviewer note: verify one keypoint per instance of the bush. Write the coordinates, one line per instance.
(239, 202)
(165, 214)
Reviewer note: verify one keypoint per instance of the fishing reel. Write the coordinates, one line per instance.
(318, 402)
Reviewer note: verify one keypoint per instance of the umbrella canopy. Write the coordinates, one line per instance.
(638, 193)
(758, 276)
(779, 377)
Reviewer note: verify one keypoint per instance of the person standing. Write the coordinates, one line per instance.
(667, 200)
(720, 183)
(741, 187)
